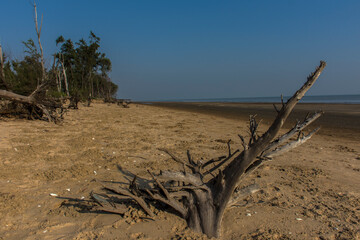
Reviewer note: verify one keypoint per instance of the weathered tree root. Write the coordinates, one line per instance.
(202, 191)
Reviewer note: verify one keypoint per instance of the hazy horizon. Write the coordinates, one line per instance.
(354, 98)
(203, 49)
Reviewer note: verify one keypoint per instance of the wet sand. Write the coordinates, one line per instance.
(344, 119)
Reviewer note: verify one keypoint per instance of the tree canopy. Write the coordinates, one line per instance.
(23, 76)
(87, 68)
(78, 69)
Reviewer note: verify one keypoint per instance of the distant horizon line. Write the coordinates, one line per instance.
(254, 98)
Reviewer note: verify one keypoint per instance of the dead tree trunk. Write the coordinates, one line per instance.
(38, 33)
(58, 80)
(65, 77)
(204, 190)
(56, 73)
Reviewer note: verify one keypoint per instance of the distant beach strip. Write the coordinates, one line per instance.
(343, 99)
(337, 115)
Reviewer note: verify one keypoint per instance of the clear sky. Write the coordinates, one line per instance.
(186, 49)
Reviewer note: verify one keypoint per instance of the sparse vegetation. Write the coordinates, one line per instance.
(77, 73)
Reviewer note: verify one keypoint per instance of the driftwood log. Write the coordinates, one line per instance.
(202, 191)
(123, 102)
(120, 102)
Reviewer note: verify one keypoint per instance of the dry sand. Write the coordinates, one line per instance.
(311, 192)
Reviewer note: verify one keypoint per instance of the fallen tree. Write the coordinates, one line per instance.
(37, 104)
(202, 191)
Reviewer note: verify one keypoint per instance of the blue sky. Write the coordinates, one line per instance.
(203, 48)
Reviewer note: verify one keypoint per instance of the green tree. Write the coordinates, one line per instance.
(87, 68)
(23, 76)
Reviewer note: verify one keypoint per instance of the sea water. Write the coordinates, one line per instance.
(346, 99)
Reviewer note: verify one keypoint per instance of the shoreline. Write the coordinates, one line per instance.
(339, 119)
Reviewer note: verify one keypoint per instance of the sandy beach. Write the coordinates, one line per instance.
(47, 171)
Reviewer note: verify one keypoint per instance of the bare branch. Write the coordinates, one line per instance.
(242, 193)
(16, 97)
(253, 126)
(171, 202)
(179, 176)
(276, 108)
(107, 206)
(214, 160)
(166, 193)
(168, 199)
(297, 128)
(173, 157)
(38, 33)
(221, 163)
(65, 76)
(245, 146)
(229, 147)
(41, 23)
(190, 158)
(177, 188)
(291, 145)
(127, 193)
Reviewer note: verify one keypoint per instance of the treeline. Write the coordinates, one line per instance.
(78, 69)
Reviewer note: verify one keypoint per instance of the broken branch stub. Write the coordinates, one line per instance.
(202, 202)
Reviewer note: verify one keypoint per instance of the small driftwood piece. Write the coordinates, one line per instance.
(202, 191)
(120, 102)
(123, 102)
